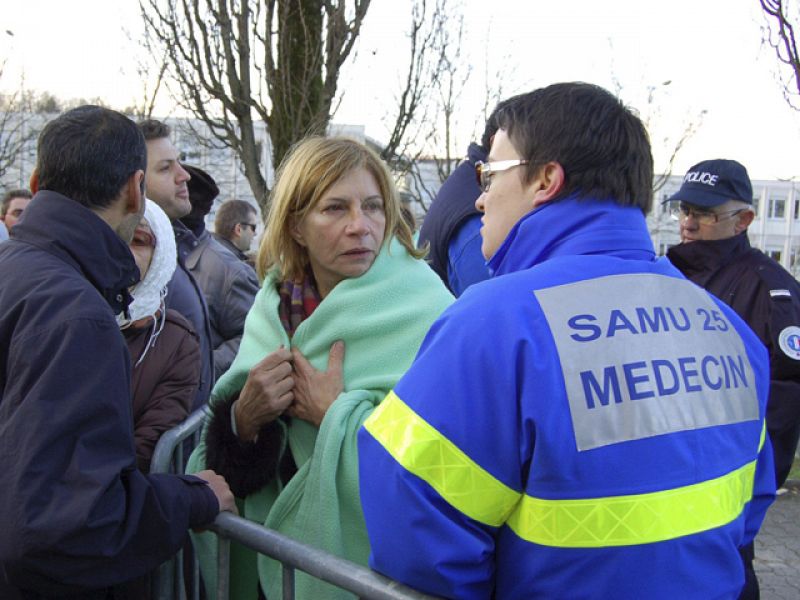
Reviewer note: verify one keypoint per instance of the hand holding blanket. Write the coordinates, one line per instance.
(382, 318)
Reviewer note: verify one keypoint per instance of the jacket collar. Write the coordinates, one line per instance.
(197, 245)
(700, 259)
(185, 240)
(76, 235)
(573, 227)
(231, 246)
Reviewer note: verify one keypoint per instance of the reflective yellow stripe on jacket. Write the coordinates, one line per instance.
(426, 453)
(567, 523)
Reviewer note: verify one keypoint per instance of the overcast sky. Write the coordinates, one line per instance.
(710, 51)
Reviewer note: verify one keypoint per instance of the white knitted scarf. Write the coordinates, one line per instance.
(149, 293)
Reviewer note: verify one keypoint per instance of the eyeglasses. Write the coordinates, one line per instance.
(485, 170)
(703, 217)
(250, 225)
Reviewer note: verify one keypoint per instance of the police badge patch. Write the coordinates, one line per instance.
(789, 342)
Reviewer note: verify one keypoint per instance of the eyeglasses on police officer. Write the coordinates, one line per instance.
(485, 170)
(702, 217)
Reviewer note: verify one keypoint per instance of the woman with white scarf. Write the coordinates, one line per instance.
(164, 349)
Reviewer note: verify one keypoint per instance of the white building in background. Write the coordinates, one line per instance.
(775, 230)
(220, 162)
(224, 165)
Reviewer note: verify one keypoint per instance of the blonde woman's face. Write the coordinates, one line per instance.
(343, 233)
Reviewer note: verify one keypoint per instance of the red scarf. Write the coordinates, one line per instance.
(298, 299)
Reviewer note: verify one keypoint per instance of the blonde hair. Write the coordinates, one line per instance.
(310, 168)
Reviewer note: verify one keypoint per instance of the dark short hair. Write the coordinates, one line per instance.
(492, 126)
(602, 146)
(88, 154)
(9, 196)
(153, 129)
(229, 214)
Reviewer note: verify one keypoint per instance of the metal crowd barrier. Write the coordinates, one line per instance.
(169, 456)
(293, 555)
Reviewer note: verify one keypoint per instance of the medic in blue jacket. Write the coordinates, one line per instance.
(588, 423)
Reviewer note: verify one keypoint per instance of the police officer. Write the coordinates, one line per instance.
(714, 208)
(586, 423)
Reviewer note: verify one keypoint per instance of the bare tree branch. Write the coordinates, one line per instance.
(690, 128)
(428, 129)
(426, 59)
(653, 120)
(235, 61)
(780, 36)
(17, 124)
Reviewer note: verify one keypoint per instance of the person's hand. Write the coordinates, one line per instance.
(221, 490)
(267, 392)
(315, 391)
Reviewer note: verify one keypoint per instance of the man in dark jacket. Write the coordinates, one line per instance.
(715, 210)
(714, 207)
(76, 515)
(167, 186)
(452, 226)
(229, 284)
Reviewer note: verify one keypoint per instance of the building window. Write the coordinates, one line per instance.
(796, 209)
(777, 208)
(774, 254)
(756, 202)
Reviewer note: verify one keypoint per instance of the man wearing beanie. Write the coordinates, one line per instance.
(715, 207)
(229, 285)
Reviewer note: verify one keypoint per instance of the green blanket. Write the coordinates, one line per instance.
(382, 317)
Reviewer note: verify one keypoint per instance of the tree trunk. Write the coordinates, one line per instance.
(297, 107)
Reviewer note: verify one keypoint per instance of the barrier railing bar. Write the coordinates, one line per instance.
(338, 571)
(223, 567)
(195, 579)
(293, 555)
(162, 454)
(168, 457)
(288, 582)
(180, 592)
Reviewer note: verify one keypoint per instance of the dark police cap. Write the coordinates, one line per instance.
(714, 182)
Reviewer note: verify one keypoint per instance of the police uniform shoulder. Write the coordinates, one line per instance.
(776, 279)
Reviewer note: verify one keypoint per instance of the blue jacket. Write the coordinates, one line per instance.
(586, 424)
(452, 227)
(75, 513)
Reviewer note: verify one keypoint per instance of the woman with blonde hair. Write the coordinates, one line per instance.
(345, 303)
